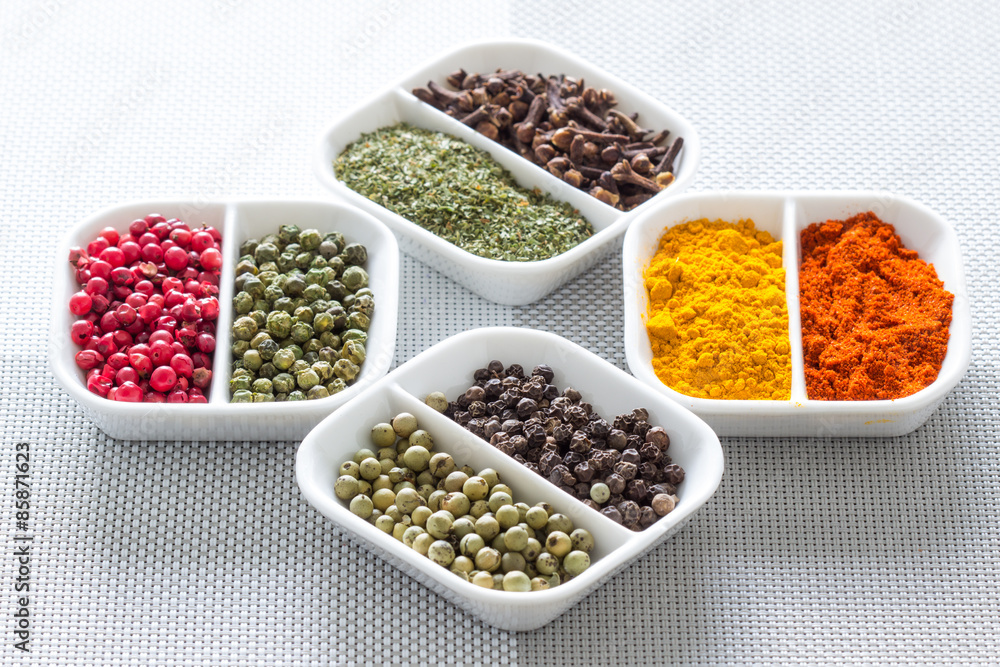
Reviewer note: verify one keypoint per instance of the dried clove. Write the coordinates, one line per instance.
(573, 131)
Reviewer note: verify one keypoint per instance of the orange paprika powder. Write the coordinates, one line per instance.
(875, 316)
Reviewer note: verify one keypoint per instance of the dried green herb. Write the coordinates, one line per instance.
(459, 193)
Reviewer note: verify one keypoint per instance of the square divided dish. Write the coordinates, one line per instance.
(511, 283)
(219, 419)
(448, 367)
(785, 215)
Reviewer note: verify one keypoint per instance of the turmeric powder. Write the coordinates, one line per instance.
(717, 318)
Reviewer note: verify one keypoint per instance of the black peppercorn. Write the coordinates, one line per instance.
(612, 513)
(545, 371)
(674, 473)
(631, 456)
(616, 483)
(630, 513)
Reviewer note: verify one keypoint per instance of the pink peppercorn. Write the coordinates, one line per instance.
(143, 313)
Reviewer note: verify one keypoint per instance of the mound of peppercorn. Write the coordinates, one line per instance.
(620, 468)
(302, 312)
(459, 519)
(147, 310)
(559, 123)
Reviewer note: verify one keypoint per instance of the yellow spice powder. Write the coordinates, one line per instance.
(717, 318)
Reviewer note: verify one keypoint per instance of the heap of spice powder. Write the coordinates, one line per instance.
(717, 318)
(875, 316)
(459, 193)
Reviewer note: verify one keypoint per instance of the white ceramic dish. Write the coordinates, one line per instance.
(448, 367)
(785, 215)
(512, 283)
(219, 419)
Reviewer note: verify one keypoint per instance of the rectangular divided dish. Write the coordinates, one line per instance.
(785, 215)
(511, 283)
(219, 419)
(448, 367)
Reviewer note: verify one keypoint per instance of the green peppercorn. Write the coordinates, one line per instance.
(301, 332)
(309, 239)
(288, 234)
(245, 267)
(244, 328)
(354, 278)
(242, 396)
(354, 334)
(283, 359)
(354, 351)
(252, 360)
(306, 379)
(296, 396)
(354, 253)
(239, 383)
(358, 320)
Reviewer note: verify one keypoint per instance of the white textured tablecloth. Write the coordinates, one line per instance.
(813, 551)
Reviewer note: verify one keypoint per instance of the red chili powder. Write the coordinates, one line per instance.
(875, 317)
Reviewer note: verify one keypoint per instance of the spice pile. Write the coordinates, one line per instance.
(559, 123)
(620, 468)
(147, 310)
(302, 311)
(717, 315)
(460, 194)
(459, 519)
(875, 316)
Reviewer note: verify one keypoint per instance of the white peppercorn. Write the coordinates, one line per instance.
(382, 498)
(404, 424)
(516, 581)
(361, 506)
(558, 543)
(441, 552)
(437, 400)
(422, 543)
(346, 487)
